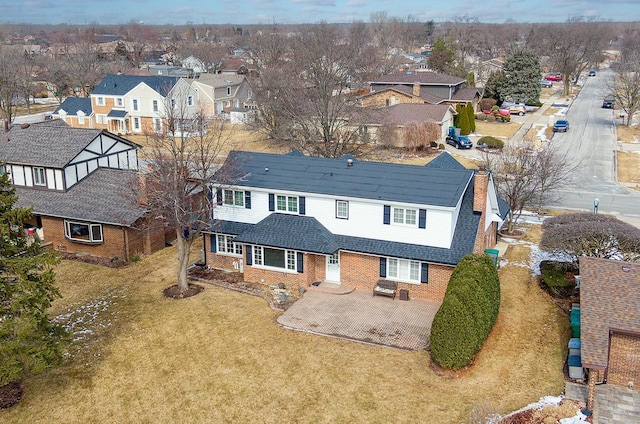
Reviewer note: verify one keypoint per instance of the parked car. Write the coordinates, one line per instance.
(459, 141)
(503, 111)
(546, 83)
(592, 73)
(553, 77)
(517, 110)
(607, 104)
(561, 125)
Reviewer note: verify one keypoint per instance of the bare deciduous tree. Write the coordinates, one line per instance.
(183, 158)
(624, 90)
(418, 135)
(10, 60)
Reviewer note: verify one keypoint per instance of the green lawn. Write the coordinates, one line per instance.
(221, 357)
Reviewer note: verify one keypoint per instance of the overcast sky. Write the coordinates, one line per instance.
(181, 12)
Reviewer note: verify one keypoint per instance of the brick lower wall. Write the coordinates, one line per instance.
(624, 360)
(120, 242)
(356, 270)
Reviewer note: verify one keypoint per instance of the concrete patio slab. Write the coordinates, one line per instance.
(360, 316)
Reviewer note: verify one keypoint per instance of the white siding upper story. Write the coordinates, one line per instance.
(365, 217)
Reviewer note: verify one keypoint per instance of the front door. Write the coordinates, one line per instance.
(333, 267)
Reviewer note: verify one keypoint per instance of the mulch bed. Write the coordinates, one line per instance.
(11, 394)
(175, 293)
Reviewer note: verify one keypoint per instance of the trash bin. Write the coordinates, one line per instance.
(574, 346)
(404, 294)
(575, 323)
(575, 367)
(494, 253)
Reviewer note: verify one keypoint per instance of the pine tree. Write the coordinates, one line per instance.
(522, 71)
(463, 121)
(471, 114)
(29, 342)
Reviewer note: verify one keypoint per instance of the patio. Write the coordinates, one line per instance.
(359, 316)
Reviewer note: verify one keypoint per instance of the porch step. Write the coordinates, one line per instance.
(331, 288)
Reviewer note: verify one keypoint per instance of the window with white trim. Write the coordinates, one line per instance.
(233, 197)
(286, 203)
(157, 125)
(83, 232)
(189, 100)
(227, 245)
(403, 269)
(134, 105)
(405, 216)
(119, 102)
(101, 119)
(228, 91)
(136, 123)
(80, 120)
(39, 178)
(155, 106)
(275, 258)
(100, 101)
(342, 209)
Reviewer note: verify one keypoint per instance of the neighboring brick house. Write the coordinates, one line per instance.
(413, 86)
(297, 220)
(394, 119)
(610, 322)
(80, 183)
(76, 112)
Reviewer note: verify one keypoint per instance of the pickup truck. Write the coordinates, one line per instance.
(459, 141)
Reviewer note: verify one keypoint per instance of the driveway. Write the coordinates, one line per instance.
(360, 316)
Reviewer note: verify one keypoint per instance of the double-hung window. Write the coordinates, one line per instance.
(275, 258)
(287, 203)
(79, 231)
(227, 245)
(119, 102)
(233, 197)
(342, 209)
(134, 105)
(155, 106)
(100, 101)
(404, 216)
(402, 269)
(39, 176)
(190, 101)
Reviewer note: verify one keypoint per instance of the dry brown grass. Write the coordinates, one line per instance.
(629, 167)
(221, 357)
(497, 129)
(628, 134)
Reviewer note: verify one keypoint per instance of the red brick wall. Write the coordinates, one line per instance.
(624, 360)
(121, 242)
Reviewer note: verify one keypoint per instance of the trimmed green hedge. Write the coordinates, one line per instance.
(468, 312)
(491, 142)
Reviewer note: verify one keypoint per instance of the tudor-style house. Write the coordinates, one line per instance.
(80, 183)
(298, 220)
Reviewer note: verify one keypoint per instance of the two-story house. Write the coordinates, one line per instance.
(298, 220)
(220, 93)
(81, 185)
(420, 87)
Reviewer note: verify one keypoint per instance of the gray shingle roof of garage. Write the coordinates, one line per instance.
(101, 197)
(46, 143)
(294, 173)
(71, 105)
(115, 113)
(445, 161)
(306, 234)
(119, 85)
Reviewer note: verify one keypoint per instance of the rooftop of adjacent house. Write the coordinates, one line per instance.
(466, 94)
(347, 177)
(73, 105)
(50, 143)
(104, 197)
(609, 301)
(420, 77)
(219, 80)
(119, 85)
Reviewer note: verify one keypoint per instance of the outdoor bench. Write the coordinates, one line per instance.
(385, 288)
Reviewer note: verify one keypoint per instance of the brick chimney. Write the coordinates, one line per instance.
(480, 186)
(416, 89)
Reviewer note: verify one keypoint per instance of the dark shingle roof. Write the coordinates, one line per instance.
(306, 234)
(406, 113)
(72, 105)
(119, 85)
(102, 197)
(295, 232)
(44, 144)
(445, 161)
(466, 94)
(116, 113)
(609, 300)
(366, 180)
(423, 78)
